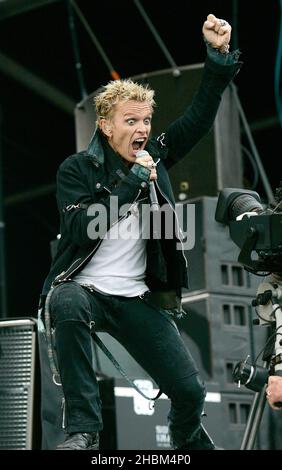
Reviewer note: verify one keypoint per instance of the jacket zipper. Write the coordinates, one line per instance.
(177, 222)
(67, 278)
(96, 247)
(125, 215)
(63, 406)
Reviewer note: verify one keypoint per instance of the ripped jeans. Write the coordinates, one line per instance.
(151, 337)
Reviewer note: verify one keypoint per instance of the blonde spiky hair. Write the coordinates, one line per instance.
(121, 90)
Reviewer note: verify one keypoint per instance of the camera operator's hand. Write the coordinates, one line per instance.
(274, 391)
(275, 278)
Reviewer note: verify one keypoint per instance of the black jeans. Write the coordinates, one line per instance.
(151, 337)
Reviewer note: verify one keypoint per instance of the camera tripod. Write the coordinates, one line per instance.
(268, 308)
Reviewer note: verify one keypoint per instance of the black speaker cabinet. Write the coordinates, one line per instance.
(52, 404)
(214, 163)
(19, 417)
(212, 258)
(218, 331)
(141, 426)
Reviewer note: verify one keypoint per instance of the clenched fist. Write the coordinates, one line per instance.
(217, 32)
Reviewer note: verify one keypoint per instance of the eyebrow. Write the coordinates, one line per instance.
(134, 114)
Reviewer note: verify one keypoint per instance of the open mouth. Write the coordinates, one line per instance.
(138, 144)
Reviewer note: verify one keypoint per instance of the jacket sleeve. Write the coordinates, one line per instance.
(185, 132)
(86, 213)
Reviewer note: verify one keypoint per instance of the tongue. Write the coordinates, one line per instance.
(135, 146)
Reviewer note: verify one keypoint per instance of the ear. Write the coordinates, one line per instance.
(106, 127)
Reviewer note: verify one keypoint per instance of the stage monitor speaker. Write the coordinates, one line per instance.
(19, 416)
(214, 163)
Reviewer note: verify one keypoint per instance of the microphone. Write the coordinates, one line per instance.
(153, 194)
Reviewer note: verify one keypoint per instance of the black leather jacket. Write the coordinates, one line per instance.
(94, 175)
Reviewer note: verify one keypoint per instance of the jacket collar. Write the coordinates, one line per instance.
(95, 147)
(102, 152)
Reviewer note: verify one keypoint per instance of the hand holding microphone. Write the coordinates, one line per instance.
(146, 160)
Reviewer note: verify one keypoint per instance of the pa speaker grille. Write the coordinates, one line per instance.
(17, 383)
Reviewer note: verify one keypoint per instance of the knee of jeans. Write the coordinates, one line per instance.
(191, 389)
(69, 303)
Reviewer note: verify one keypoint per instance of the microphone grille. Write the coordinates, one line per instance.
(141, 153)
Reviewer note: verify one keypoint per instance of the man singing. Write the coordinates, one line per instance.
(130, 287)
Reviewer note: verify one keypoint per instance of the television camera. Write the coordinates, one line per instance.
(257, 231)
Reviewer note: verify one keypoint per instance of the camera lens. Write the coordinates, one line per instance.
(244, 203)
(253, 377)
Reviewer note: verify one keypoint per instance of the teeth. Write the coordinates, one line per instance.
(139, 140)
